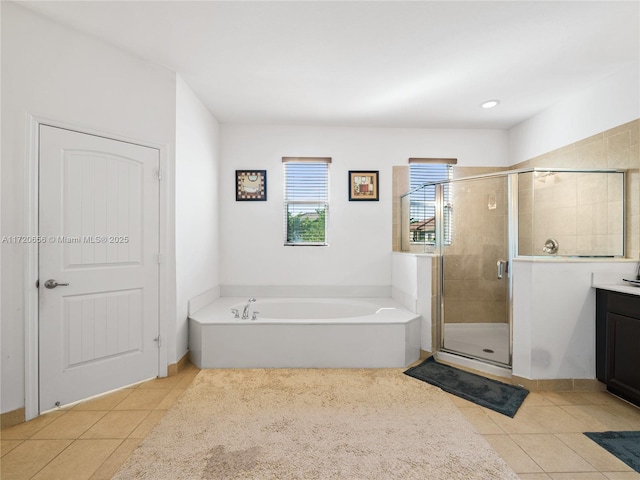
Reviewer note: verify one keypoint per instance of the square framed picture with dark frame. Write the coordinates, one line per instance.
(251, 185)
(363, 185)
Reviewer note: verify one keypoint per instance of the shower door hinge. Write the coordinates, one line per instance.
(159, 174)
(157, 339)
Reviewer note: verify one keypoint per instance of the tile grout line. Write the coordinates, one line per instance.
(577, 453)
(556, 434)
(523, 451)
(52, 459)
(79, 438)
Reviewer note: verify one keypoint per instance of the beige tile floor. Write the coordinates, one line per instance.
(92, 439)
(545, 438)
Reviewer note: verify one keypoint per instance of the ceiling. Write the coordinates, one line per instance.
(371, 63)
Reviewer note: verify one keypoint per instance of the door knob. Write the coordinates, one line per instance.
(51, 283)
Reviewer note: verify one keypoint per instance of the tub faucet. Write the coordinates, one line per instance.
(245, 312)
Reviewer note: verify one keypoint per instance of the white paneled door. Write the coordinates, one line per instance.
(98, 265)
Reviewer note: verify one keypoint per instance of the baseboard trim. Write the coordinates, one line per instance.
(12, 418)
(175, 368)
(15, 417)
(560, 385)
(541, 385)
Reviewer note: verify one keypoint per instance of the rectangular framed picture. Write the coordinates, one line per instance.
(251, 185)
(363, 185)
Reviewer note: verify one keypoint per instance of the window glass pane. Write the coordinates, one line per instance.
(306, 202)
(423, 202)
(306, 223)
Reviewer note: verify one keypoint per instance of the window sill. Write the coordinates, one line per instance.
(306, 244)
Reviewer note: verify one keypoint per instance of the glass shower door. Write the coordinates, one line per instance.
(475, 258)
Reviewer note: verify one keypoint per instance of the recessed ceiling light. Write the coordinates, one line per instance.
(490, 103)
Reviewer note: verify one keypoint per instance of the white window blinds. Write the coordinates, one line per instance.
(306, 200)
(422, 211)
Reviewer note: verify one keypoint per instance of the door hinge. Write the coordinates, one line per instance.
(159, 174)
(160, 258)
(37, 283)
(157, 339)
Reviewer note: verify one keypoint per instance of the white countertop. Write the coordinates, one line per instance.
(627, 288)
(613, 282)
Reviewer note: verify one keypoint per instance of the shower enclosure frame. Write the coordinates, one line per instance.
(512, 184)
(512, 236)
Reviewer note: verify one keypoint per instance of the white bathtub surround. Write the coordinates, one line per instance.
(305, 291)
(411, 286)
(198, 302)
(352, 333)
(307, 309)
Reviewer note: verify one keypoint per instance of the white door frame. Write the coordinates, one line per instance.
(166, 267)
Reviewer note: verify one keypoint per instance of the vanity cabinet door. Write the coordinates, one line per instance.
(623, 338)
(618, 343)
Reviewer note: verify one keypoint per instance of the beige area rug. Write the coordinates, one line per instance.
(313, 424)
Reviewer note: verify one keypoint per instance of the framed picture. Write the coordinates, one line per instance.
(363, 185)
(251, 185)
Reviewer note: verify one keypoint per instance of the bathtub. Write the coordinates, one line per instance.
(305, 333)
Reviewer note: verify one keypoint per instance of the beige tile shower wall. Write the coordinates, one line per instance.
(401, 186)
(473, 294)
(525, 214)
(583, 212)
(472, 291)
(435, 305)
(615, 148)
(464, 172)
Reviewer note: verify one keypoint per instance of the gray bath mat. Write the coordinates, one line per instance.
(498, 396)
(624, 445)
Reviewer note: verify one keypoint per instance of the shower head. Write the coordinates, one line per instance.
(542, 176)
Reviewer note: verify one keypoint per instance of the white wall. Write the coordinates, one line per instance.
(197, 231)
(554, 309)
(359, 252)
(411, 286)
(404, 279)
(611, 102)
(56, 72)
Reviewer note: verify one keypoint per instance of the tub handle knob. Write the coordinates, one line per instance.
(254, 316)
(236, 312)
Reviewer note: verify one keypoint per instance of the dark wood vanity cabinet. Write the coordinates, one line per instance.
(618, 343)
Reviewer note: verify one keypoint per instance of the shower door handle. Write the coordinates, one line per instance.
(503, 266)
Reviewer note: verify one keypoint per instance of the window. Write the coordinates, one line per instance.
(306, 200)
(422, 224)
